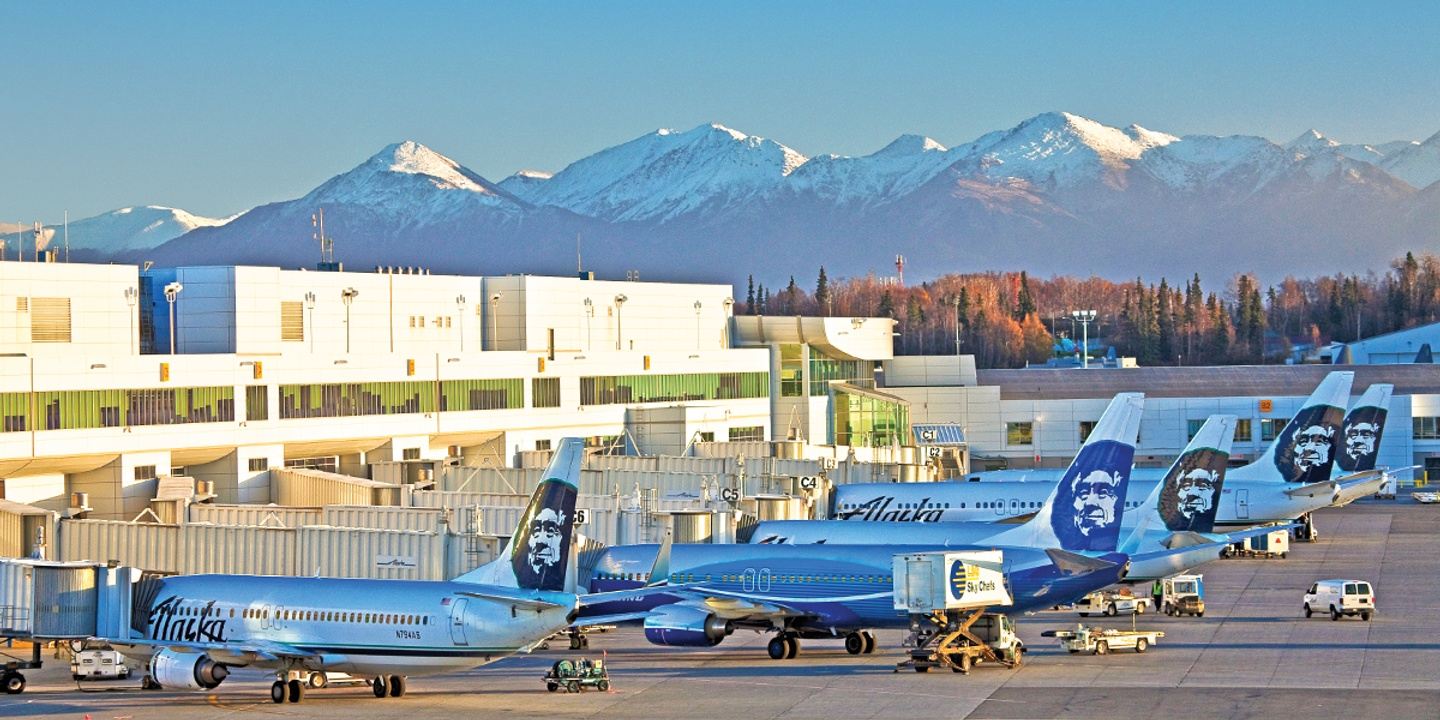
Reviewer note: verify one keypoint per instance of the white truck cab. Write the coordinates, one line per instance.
(1340, 597)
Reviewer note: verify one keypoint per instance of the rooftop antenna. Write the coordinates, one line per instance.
(578, 267)
(67, 236)
(327, 243)
(39, 230)
(900, 268)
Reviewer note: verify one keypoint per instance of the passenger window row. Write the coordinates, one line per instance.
(334, 616)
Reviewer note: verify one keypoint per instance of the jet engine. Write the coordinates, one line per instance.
(193, 671)
(685, 627)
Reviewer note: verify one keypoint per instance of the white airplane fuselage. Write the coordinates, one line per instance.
(363, 627)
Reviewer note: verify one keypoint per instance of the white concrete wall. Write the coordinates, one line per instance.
(102, 323)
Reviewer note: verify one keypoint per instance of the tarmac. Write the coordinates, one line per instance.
(1254, 654)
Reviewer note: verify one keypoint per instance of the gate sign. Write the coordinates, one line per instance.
(582, 516)
(807, 482)
(730, 495)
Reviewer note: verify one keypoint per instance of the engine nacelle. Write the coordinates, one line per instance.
(686, 627)
(195, 671)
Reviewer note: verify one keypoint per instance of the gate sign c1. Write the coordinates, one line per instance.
(927, 435)
(730, 495)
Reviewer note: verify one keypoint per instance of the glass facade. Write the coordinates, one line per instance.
(625, 389)
(824, 369)
(545, 392)
(257, 403)
(489, 394)
(1426, 428)
(83, 409)
(870, 421)
(749, 432)
(399, 398)
(1020, 433)
(1270, 428)
(1242, 430)
(792, 370)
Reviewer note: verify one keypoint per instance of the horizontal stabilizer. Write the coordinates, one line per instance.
(1075, 564)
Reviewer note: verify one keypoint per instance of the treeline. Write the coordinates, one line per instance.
(1009, 319)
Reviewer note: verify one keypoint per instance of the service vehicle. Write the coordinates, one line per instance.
(1426, 498)
(1100, 641)
(1183, 595)
(1275, 544)
(576, 675)
(99, 664)
(1341, 597)
(1113, 602)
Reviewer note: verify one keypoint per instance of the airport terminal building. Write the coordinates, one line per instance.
(340, 370)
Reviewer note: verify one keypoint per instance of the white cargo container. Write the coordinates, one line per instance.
(926, 582)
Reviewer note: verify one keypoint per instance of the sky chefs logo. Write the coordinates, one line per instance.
(1192, 491)
(965, 578)
(1306, 448)
(1091, 497)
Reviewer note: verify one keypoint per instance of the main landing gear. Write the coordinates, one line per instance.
(394, 686)
(784, 646)
(860, 643)
(292, 690)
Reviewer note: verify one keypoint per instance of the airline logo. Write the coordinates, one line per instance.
(1090, 498)
(542, 541)
(1306, 449)
(1360, 439)
(1191, 494)
(882, 509)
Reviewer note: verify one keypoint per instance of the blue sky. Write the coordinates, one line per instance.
(217, 107)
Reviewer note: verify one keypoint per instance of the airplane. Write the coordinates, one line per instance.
(1170, 534)
(822, 591)
(1291, 479)
(194, 629)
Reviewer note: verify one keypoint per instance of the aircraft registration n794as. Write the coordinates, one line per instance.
(195, 628)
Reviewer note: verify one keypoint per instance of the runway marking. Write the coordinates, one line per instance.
(793, 686)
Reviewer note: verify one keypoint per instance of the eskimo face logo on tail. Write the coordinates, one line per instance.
(1306, 449)
(542, 541)
(1090, 498)
(1192, 491)
(1360, 439)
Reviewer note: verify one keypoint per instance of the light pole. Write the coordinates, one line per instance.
(589, 314)
(725, 335)
(697, 324)
(619, 326)
(172, 293)
(460, 305)
(1084, 317)
(494, 326)
(348, 296)
(131, 298)
(310, 305)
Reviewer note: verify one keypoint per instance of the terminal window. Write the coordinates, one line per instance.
(747, 433)
(1019, 433)
(1242, 430)
(545, 392)
(1270, 428)
(1426, 428)
(624, 389)
(1088, 426)
(259, 464)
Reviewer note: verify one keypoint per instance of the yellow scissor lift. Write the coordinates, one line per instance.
(947, 595)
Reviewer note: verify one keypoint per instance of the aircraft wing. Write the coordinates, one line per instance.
(1315, 489)
(513, 600)
(229, 653)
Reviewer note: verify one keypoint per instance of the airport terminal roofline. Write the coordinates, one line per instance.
(842, 338)
(1201, 381)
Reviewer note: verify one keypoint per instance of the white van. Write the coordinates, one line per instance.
(1340, 597)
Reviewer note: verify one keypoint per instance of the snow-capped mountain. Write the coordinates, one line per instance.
(405, 205)
(1417, 164)
(130, 229)
(665, 174)
(1056, 193)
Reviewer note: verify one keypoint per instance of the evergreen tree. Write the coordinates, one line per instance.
(750, 296)
(1024, 301)
(822, 292)
(792, 298)
(1165, 323)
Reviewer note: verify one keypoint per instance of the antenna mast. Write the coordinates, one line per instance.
(327, 244)
(900, 268)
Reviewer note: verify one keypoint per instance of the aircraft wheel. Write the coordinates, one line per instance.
(278, 692)
(854, 644)
(297, 691)
(869, 641)
(378, 686)
(792, 647)
(777, 648)
(397, 686)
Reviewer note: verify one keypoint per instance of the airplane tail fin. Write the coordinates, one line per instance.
(1186, 500)
(538, 556)
(1304, 452)
(1359, 440)
(1085, 509)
